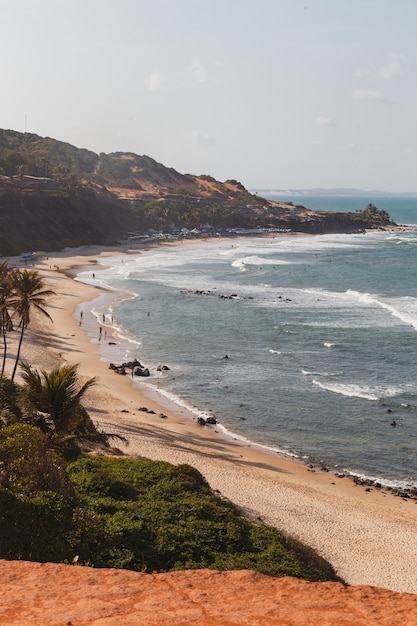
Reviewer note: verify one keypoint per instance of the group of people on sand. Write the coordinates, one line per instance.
(101, 325)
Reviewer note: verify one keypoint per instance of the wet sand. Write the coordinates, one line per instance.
(370, 537)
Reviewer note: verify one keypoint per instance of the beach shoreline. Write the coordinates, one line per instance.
(367, 535)
(150, 388)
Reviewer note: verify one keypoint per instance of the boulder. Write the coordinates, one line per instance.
(141, 371)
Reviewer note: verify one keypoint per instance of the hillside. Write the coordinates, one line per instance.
(54, 195)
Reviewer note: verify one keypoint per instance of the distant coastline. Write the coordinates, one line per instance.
(334, 192)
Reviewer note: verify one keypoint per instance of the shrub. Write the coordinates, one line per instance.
(35, 529)
(160, 517)
(139, 515)
(28, 464)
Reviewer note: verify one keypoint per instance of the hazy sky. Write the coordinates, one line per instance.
(275, 93)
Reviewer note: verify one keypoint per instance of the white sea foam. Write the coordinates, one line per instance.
(323, 243)
(358, 391)
(259, 247)
(403, 308)
(173, 398)
(307, 303)
(98, 281)
(240, 264)
(244, 440)
(406, 238)
(258, 261)
(384, 482)
(193, 411)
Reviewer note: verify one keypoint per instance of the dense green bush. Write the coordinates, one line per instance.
(28, 464)
(146, 516)
(37, 528)
(160, 517)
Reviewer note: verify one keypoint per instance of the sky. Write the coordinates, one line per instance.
(278, 94)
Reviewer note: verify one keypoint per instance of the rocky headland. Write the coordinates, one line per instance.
(54, 195)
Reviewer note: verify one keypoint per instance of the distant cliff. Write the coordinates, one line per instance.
(54, 195)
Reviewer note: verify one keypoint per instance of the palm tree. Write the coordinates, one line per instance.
(29, 293)
(51, 401)
(58, 393)
(6, 291)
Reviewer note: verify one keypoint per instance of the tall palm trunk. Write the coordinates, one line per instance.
(6, 293)
(4, 346)
(6, 326)
(22, 332)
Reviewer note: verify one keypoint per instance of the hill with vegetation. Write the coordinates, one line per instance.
(146, 516)
(54, 195)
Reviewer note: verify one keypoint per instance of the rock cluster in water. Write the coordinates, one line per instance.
(136, 368)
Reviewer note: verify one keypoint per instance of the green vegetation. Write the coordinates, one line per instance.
(51, 402)
(21, 291)
(187, 214)
(27, 293)
(374, 216)
(41, 156)
(54, 195)
(141, 515)
(58, 504)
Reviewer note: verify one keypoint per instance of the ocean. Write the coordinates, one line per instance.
(305, 345)
(403, 210)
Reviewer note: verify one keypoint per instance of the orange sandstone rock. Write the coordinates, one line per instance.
(46, 594)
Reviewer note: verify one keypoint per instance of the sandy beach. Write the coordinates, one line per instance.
(370, 537)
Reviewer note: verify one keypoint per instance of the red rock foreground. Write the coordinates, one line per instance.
(47, 594)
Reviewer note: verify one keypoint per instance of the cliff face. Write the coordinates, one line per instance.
(324, 222)
(54, 195)
(50, 594)
(35, 220)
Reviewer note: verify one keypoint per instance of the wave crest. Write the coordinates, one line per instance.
(358, 391)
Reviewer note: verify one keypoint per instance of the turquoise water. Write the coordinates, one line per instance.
(320, 334)
(403, 210)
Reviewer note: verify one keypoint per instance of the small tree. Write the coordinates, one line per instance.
(28, 293)
(6, 292)
(375, 215)
(51, 401)
(58, 393)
